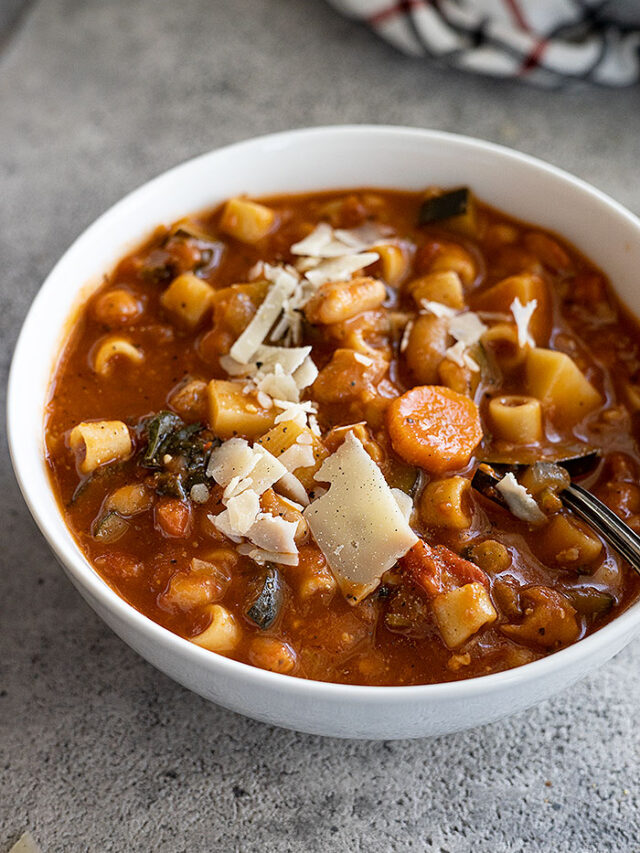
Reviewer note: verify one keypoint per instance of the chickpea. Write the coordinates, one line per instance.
(269, 653)
(117, 307)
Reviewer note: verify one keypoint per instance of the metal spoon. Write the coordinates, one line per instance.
(592, 510)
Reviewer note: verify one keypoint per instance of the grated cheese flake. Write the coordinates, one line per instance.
(522, 314)
(467, 327)
(272, 533)
(242, 511)
(438, 309)
(232, 459)
(519, 501)
(297, 456)
(284, 283)
(360, 513)
(340, 269)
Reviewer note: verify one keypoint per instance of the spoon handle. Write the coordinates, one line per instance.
(605, 522)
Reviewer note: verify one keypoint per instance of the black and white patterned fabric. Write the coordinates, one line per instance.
(541, 41)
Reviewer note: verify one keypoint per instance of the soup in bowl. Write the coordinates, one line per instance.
(261, 429)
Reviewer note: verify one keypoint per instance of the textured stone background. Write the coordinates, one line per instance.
(100, 752)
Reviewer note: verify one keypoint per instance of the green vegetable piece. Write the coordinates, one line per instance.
(264, 610)
(589, 601)
(445, 206)
(109, 528)
(159, 429)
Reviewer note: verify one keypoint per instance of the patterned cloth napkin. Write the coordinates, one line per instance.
(541, 41)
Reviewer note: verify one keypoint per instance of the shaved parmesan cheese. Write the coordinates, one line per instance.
(252, 337)
(266, 471)
(359, 513)
(222, 522)
(272, 533)
(296, 412)
(297, 456)
(266, 359)
(324, 242)
(280, 386)
(405, 504)
(306, 374)
(519, 501)
(242, 511)
(406, 334)
(291, 486)
(467, 327)
(522, 314)
(438, 309)
(232, 459)
(458, 354)
(363, 359)
(262, 557)
(340, 269)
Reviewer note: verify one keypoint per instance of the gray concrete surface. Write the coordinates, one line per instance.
(98, 751)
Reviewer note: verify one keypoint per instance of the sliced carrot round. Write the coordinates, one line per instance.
(434, 427)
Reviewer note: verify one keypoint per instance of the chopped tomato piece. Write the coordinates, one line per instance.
(173, 518)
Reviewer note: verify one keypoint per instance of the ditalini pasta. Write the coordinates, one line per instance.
(263, 428)
(97, 443)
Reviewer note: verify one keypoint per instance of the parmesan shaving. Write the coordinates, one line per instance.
(519, 501)
(340, 269)
(522, 314)
(291, 486)
(359, 513)
(324, 242)
(284, 283)
(438, 309)
(296, 412)
(297, 456)
(467, 327)
(262, 557)
(266, 359)
(232, 459)
(272, 533)
(266, 471)
(405, 504)
(406, 334)
(306, 374)
(242, 511)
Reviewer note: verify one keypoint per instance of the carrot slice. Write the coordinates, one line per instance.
(434, 427)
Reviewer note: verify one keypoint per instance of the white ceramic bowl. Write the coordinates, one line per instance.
(321, 158)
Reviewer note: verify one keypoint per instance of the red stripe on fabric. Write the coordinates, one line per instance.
(533, 60)
(403, 7)
(516, 11)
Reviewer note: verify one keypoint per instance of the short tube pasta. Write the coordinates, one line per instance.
(188, 298)
(99, 442)
(516, 418)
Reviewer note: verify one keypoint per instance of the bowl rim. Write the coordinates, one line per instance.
(85, 577)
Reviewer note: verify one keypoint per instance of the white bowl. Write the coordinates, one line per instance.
(321, 158)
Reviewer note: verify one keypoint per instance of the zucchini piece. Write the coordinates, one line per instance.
(588, 600)
(445, 206)
(109, 528)
(455, 208)
(265, 609)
